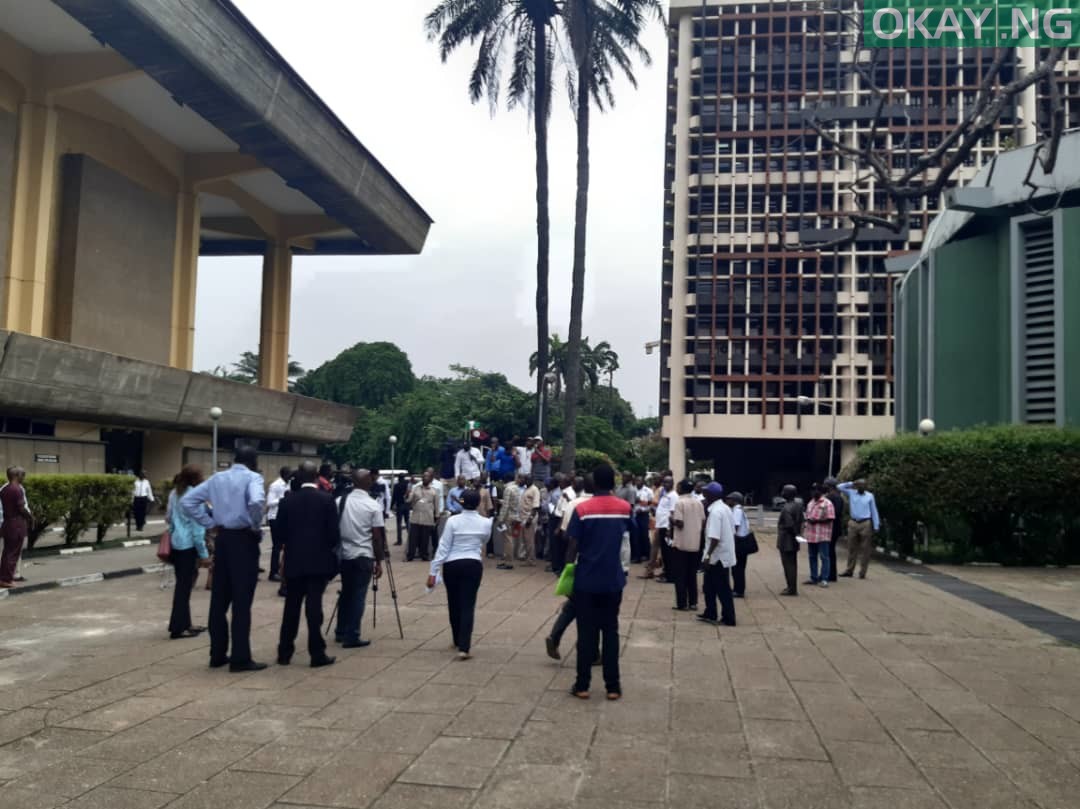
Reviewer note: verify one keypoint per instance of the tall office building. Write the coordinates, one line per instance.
(754, 313)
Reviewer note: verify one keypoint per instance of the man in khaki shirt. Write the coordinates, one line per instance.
(688, 523)
(423, 513)
(530, 512)
(511, 522)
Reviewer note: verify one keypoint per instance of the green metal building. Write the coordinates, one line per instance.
(988, 313)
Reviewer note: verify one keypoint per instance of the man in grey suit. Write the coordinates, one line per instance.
(787, 529)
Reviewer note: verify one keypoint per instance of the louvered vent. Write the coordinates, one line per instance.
(1038, 390)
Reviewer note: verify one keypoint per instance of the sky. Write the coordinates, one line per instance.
(469, 297)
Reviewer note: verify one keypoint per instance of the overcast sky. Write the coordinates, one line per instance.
(469, 297)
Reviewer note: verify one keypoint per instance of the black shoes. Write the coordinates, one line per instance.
(552, 649)
(325, 660)
(847, 574)
(273, 577)
(355, 644)
(251, 665)
(709, 621)
(217, 664)
(789, 592)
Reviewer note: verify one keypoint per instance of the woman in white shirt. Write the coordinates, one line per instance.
(460, 561)
(141, 498)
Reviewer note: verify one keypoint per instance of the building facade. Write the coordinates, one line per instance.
(772, 346)
(988, 313)
(135, 137)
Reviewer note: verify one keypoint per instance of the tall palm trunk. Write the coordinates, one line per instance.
(543, 220)
(577, 290)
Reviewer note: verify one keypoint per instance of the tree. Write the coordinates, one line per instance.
(556, 362)
(366, 375)
(922, 180)
(529, 27)
(606, 360)
(603, 35)
(246, 370)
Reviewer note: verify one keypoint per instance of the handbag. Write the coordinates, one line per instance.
(565, 585)
(746, 545)
(164, 547)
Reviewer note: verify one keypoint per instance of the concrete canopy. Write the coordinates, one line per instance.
(201, 78)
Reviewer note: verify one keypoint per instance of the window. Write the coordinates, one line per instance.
(1037, 326)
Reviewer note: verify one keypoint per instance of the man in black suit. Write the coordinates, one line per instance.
(308, 525)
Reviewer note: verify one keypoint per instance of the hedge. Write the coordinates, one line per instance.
(996, 494)
(585, 460)
(79, 501)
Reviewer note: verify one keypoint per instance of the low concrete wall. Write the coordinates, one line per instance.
(49, 378)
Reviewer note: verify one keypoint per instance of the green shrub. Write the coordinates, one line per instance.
(999, 494)
(79, 501)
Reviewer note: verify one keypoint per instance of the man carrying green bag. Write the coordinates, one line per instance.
(564, 587)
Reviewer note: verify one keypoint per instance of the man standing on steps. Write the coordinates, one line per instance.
(308, 521)
(862, 526)
(238, 495)
(273, 499)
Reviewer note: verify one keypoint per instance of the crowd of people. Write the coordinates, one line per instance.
(324, 524)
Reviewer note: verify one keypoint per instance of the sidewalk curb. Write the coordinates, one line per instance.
(86, 578)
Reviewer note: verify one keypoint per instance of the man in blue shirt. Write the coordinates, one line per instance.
(599, 533)
(453, 499)
(862, 526)
(496, 460)
(230, 506)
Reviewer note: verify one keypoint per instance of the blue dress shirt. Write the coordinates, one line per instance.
(862, 506)
(453, 500)
(184, 532)
(232, 499)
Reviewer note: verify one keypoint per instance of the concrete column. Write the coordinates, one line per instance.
(1028, 98)
(26, 277)
(676, 420)
(274, 334)
(185, 277)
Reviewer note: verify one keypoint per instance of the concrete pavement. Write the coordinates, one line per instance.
(884, 692)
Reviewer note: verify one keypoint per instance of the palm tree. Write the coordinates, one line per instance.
(529, 27)
(606, 360)
(603, 35)
(556, 362)
(246, 370)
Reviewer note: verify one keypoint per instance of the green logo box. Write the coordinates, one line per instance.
(978, 24)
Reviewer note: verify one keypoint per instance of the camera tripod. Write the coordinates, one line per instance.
(374, 601)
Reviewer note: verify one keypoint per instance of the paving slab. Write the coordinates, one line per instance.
(889, 692)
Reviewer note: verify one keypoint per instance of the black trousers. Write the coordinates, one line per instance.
(401, 517)
(138, 510)
(276, 544)
(422, 541)
(236, 569)
(685, 565)
(640, 548)
(186, 565)
(667, 553)
(832, 559)
(738, 574)
(462, 580)
(306, 590)
(558, 550)
(567, 615)
(718, 588)
(598, 617)
(790, 561)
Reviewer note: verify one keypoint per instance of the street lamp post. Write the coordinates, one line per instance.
(393, 444)
(215, 417)
(805, 400)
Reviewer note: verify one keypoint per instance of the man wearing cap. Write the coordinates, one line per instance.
(745, 543)
(718, 558)
(541, 460)
(788, 528)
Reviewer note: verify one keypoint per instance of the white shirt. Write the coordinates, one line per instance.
(720, 526)
(524, 456)
(143, 489)
(664, 507)
(742, 524)
(362, 514)
(644, 498)
(464, 537)
(566, 497)
(440, 506)
(273, 497)
(467, 462)
(384, 499)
